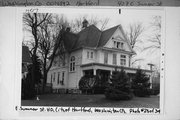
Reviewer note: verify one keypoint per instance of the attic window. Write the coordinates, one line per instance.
(119, 45)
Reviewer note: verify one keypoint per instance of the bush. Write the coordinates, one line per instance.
(86, 83)
(28, 84)
(119, 88)
(28, 90)
(141, 85)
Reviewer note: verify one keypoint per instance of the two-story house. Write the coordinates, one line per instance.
(91, 51)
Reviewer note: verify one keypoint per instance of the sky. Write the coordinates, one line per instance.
(126, 17)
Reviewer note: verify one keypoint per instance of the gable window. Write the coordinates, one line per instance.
(123, 60)
(105, 57)
(119, 45)
(72, 64)
(122, 45)
(114, 59)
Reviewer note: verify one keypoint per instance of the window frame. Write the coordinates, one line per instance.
(54, 78)
(88, 54)
(63, 77)
(123, 60)
(72, 64)
(105, 57)
(92, 55)
(58, 80)
(118, 44)
(114, 59)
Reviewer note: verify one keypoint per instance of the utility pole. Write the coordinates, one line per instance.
(151, 66)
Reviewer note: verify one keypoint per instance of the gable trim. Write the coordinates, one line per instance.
(124, 40)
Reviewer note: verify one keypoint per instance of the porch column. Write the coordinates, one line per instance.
(111, 72)
(94, 71)
(150, 81)
(82, 73)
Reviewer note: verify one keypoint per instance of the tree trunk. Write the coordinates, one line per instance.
(44, 81)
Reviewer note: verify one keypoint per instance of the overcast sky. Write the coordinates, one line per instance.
(125, 18)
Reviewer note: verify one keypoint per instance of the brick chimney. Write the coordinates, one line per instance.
(85, 23)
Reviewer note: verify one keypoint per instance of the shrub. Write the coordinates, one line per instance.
(28, 84)
(140, 84)
(86, 83)
(119, 88)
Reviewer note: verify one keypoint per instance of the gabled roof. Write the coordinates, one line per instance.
(26, 55)
(105, 36)
(88, 37)
(91, 36)
(70, 40)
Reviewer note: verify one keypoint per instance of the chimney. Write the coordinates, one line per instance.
(85, 23)
(68, 29)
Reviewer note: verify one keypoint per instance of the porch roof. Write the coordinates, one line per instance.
(113, 66)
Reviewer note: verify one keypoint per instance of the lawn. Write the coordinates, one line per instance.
(91, 101)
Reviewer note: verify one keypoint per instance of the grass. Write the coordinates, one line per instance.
(75, 100)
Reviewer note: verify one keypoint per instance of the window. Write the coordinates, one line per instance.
(105, 57)
(58, 78)
(123, 60)
(122, 45)
(72, 64)
(62, 81)
(51, 78)
(87, 54)
(114, 59)
(119, 45)
(114, 43)
(54, 77)
(91, 54)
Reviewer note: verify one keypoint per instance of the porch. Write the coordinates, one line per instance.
(104, 71)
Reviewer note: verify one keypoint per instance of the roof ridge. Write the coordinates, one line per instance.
(111, 28)
(99, 40)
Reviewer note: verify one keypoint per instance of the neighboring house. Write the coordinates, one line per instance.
(94, 52)
(26, 60)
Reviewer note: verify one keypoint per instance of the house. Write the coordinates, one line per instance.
(93, 52)
(26, 60)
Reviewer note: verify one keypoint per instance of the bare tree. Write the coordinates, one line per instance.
(155, 39)
(51, 36)
(133, 36)
(32, 23)
(47, 35)
(135, 31)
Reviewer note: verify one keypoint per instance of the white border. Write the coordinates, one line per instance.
(18, 51)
